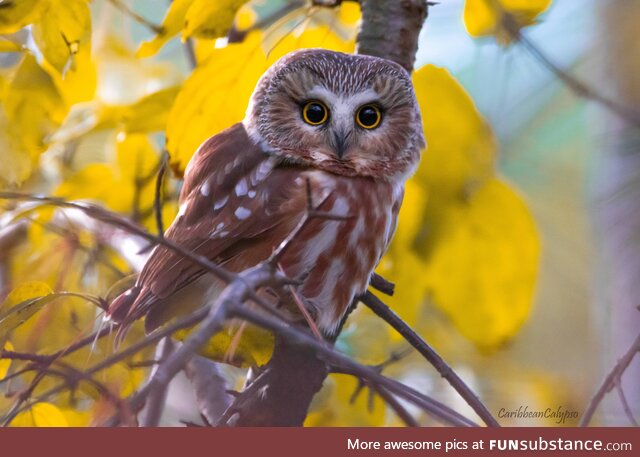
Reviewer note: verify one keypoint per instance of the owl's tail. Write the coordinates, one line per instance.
(122, 311)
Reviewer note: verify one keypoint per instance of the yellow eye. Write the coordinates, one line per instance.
(369, 116)
(315, 113)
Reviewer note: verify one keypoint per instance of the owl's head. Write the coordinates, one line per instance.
(346, 114)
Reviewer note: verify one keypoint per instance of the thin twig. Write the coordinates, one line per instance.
(190, 52)
(610, 381)
(625, 404)
(135, 16)
(152, 338)
(384, 312)
(157, 200)
(579, 87)
(397, 407)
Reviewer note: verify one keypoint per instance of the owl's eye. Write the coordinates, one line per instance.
(368, 116)
(315, 113)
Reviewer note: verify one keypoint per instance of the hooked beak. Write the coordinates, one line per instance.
(341, 142)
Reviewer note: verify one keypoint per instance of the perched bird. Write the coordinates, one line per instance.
(343, 131)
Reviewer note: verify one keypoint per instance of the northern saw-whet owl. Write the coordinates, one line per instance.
(345, 129)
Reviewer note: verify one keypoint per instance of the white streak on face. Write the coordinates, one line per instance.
(242, 213)
(251, 193)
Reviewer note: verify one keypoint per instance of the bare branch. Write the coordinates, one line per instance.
(209, 387)
(625, 404)
(157, 399)
(580, 88)
(610, 381)
(383, 311)
(382, 285)
(135, 16)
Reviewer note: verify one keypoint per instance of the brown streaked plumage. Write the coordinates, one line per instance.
(245, 189)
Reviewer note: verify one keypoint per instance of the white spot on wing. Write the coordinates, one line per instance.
(220, 203)
(242, 213)
(241, 187)
(263, 170)
(205, 189)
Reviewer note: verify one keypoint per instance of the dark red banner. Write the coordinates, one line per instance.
(324, 442)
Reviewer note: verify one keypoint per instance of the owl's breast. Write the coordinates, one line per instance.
(338, 257)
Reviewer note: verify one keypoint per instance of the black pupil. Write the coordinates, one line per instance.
(315, 113)
(368, 116)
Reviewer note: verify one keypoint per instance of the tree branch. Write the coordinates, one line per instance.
(384, 312)
(610, 381)
(580, 88)
(390, 29)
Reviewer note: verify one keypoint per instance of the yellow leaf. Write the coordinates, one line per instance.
(482, 270)
(23, 302)
(97, 182)
(77, 418)
(216, 94)
(171, 26)
(246, 18)
(461, 148)
(207, 19)
(483, 17)
(33, 105)
(243, 346)
(124, 79)
(41, 415)
(114, 184)
(17, 162)
(26, 291)
(5, 364)
(136, 158)
(6, 45)
(137, 164)
(147, 115)
(150, 113)
(16, 14)
(80, 79)
(121, 379)
(62, 29)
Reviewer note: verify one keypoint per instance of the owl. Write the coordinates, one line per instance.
(343, 131)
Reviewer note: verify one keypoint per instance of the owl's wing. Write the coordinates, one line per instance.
(226, 207)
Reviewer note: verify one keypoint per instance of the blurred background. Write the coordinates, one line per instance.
(576, 163)
(571, 163)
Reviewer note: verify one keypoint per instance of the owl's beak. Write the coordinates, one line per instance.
(340, 141)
